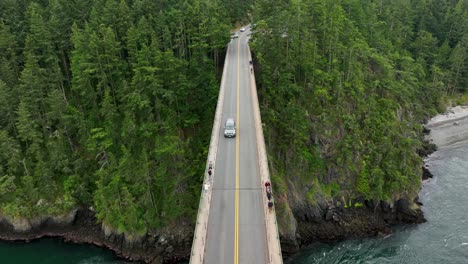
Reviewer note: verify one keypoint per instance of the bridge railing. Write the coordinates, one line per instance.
(271, 225)
(201, 227)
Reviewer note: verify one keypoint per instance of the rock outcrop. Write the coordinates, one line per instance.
(170, 245)
(23, 225)
(333, 221)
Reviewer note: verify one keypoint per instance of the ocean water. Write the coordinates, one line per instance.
(54, 251)
(442, 239)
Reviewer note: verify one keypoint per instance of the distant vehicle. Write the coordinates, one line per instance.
(230, 128)
(242, 29)
(236, 35)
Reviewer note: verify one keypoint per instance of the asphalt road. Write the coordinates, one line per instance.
(236, 227)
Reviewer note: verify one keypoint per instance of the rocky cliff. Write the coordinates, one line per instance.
(303, 221)
(170, 245)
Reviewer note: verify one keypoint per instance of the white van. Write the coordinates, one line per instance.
(230, 128)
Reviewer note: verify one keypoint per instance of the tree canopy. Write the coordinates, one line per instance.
(105, 103)
(345, 86)
(109, 103)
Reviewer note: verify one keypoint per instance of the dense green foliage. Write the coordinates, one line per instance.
(345, 85)
(107, 103)
(239, 11)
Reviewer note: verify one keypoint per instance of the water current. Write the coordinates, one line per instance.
(442, 239)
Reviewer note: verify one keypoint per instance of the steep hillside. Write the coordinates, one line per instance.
(344, 88)
(104, 105)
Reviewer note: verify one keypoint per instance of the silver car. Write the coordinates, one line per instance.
(230, 128)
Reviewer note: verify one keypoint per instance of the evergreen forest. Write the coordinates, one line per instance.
(345, 87)
(109, 103)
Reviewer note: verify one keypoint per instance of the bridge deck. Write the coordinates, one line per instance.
(234, 223)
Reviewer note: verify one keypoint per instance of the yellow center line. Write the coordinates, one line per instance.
(236, 210)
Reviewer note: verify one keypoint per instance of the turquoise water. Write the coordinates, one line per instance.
(442, 239)
(54, 251)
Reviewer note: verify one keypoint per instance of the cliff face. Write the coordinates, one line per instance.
(342, 106)
(24, 225)
(302, 222)
(170, 245)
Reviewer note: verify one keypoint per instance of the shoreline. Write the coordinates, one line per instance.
(444, 130)
(85, 230)
(448, 128)
(440, 131)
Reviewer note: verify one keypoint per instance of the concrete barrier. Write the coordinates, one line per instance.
(199, 238)
(271, 226)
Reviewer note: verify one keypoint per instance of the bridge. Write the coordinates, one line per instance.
(234, 223)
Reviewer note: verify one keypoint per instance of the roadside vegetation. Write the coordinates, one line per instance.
(346, 85)
(108, 104)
